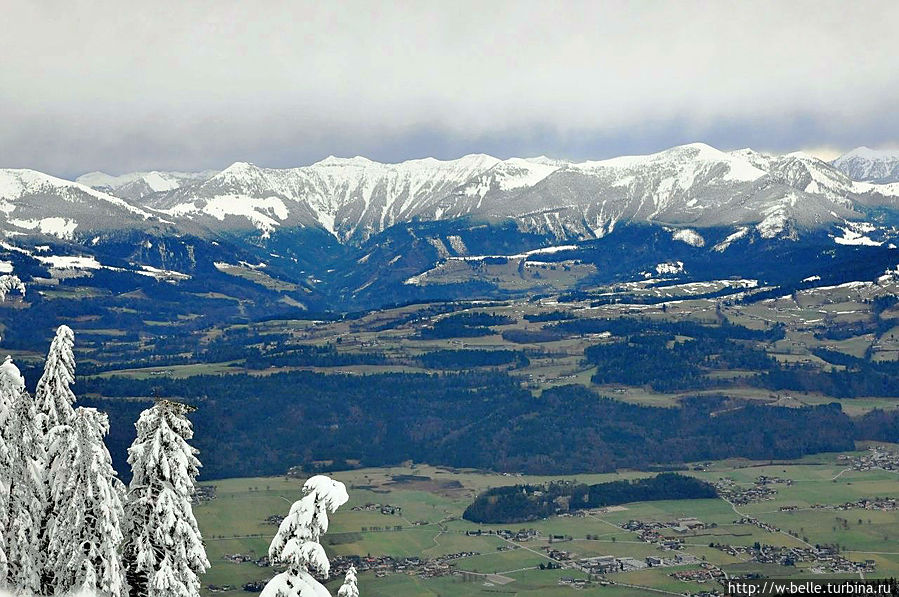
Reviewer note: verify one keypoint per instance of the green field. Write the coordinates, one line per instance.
(430, 525)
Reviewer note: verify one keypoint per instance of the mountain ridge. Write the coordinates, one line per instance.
(695, 184)
(870, 165)
(352, 232)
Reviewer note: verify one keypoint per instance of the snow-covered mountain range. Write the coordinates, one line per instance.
(35, 203)
(870, 165)
(355, 198)
(353, 233)
(136, 185)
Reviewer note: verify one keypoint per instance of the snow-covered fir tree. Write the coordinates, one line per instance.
(296, 545)
(54, 396)
(9, 283)
(164, 551)
(349, 588)
(83, 535)
(11, 385)
(26, 504)
(53, 399)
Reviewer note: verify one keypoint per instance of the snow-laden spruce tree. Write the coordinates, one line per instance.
(53, 399)
(83, 537)
(164, 551)
(11, 385)
(25, 476)
(349, 588)
(9, 284)
(296, 545)
(54, 395)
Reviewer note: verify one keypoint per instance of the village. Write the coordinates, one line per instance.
(824, 558)
(583, 570)
(762, 489)
(875, 458)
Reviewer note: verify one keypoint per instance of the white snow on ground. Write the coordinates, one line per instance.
(890, 189)
(691, 237)
(723, 245)
(239, 205)
(556, 249)
(59, 227)
(69, 262)
(161, 274)
(855, 233)
(18, 183)
(457, 244)
(674, 267)
(516, 173)
(442, 251)
(6, 267)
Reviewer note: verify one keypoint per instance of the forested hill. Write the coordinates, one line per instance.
(521, 503)
(263, 425)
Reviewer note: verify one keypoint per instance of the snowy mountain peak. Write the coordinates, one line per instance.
(693, 185)
(136, 185)
(870, 165)
(871, 154)
(238, 169)
(34, 202)
(336, 161)
(685, 162)
(18, 183)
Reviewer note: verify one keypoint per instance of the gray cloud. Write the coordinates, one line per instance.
(108, 85)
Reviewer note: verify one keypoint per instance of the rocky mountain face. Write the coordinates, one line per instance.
(355, 199)
(33, 203)
(870, 165)
(137, 185)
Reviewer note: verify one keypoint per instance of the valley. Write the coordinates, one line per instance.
(729, 316)
(404, 528)
(428, 381)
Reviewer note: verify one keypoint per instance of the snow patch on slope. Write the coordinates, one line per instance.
(260, 212)
(670, 268)
(730, 239)
(855, 233)
(69, 262)
(691, 237)
(59, 227)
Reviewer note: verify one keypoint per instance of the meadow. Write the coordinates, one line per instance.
(427, 524)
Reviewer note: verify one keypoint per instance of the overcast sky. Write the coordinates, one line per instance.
(120, 86)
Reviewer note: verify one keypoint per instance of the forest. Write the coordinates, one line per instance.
(482, 419)
(522, 503)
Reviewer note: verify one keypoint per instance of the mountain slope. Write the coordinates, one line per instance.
(350, 198)
(35, 203)
(870, 165)
(690, 185)
(137, 185)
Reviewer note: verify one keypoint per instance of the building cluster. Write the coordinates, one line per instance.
(413, 566)
(823, 559)
(599, 565)
(243, 558)
(762, 489)
(706, 573)
(655, 532)
(884, 504)
(752, 520)
(875, 458)
(385, 509)
(577, 583)
(521, 535)
(203, 493)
